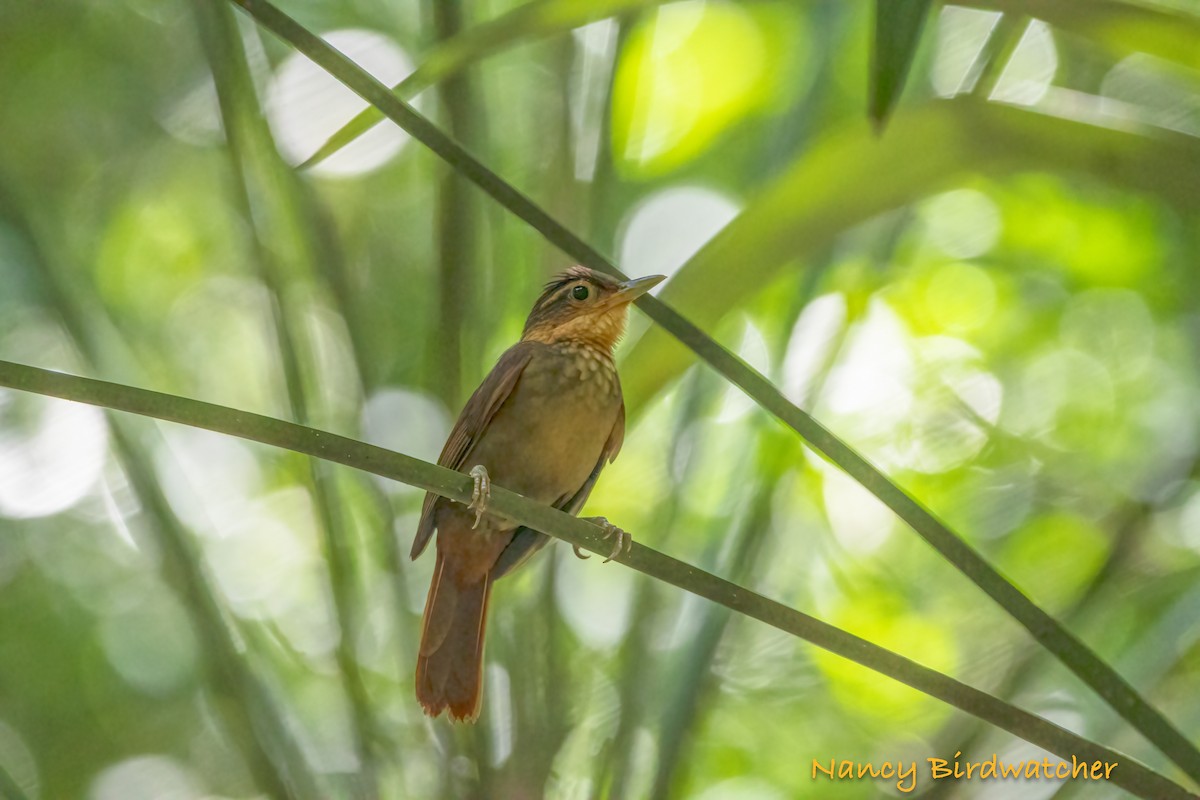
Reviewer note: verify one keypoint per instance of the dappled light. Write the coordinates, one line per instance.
(306, 105)
(962, 34)
(52, 460)
(665, 229)
(1030, 72)
(684, 77)
(406, 421)
(922, 371)
(150, 777)
(1153, 90)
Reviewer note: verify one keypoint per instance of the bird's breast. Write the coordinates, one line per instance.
(548, 436)
(580, 374)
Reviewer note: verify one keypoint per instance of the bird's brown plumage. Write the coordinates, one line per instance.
(544, 422)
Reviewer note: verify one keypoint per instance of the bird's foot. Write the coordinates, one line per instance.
(624, 540)
(481, 493)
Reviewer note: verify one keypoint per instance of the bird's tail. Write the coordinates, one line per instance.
(450, 665)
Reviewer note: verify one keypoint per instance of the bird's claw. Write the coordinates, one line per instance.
(481, 493)
(623, 544)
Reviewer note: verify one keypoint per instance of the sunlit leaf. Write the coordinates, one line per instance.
(536, 19)
(898, 26)
(1124, 27)
(1169, 34)
(852, 176)
(687, 74)
(1085, 664)
(1133, 777)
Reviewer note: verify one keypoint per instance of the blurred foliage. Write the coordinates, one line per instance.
(996, 300)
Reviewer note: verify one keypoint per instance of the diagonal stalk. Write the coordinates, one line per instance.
(693, 681)
(641, 674)
(262, 183)
(965, 736)
(1051, 634)
(1124, 27)
(256, 725)
(1130, 775)
(455, 218)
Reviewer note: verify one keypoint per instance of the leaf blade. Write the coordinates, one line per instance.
(536, 19)
(852, 176)
(898, 27)
(1073, 653)
(1132, 776)
(1166, 33)
(1172, 34)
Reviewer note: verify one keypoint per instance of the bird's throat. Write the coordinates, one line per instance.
(599, 331)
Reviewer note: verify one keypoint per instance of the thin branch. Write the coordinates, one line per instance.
(454, 218)
(692, 680)
(996, 53)
(1130, 774)
(258, 729)
(261, 191)
(1121, 25)
(965, 735)
(1072, 652)
(454, 55)
(1169, 33)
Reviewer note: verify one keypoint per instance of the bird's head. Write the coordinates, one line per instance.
(585, 306)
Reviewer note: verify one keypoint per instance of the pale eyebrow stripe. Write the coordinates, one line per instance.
(558, 293)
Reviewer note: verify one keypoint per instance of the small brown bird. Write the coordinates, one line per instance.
(543, 423)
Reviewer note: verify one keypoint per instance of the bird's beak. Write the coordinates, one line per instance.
(631, 290)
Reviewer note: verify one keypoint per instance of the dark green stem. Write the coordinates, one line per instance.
(965, 735)
(457, 292)
(256, 726)
(1131, 775)
(639, 667)
(262, 184)
(1072, 652)
(692, 681)
(997, 51)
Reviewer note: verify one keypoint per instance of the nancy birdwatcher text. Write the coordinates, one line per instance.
(906, 774)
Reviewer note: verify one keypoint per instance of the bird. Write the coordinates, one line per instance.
(544, 423)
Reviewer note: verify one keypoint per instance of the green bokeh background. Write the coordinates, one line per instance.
(995, 298)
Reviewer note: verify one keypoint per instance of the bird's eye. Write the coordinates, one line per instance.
(580, 292)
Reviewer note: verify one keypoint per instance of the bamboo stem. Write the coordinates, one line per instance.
(1132, 776)
(1073, 653)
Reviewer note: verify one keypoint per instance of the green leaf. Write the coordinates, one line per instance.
(1132, 776)
(1122, 27)
(1074, 654)
(898, 26)
(536, 19)
(277, 224)
(852, 176)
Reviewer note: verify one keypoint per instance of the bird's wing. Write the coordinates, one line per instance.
(526, 541)
(472, 422)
